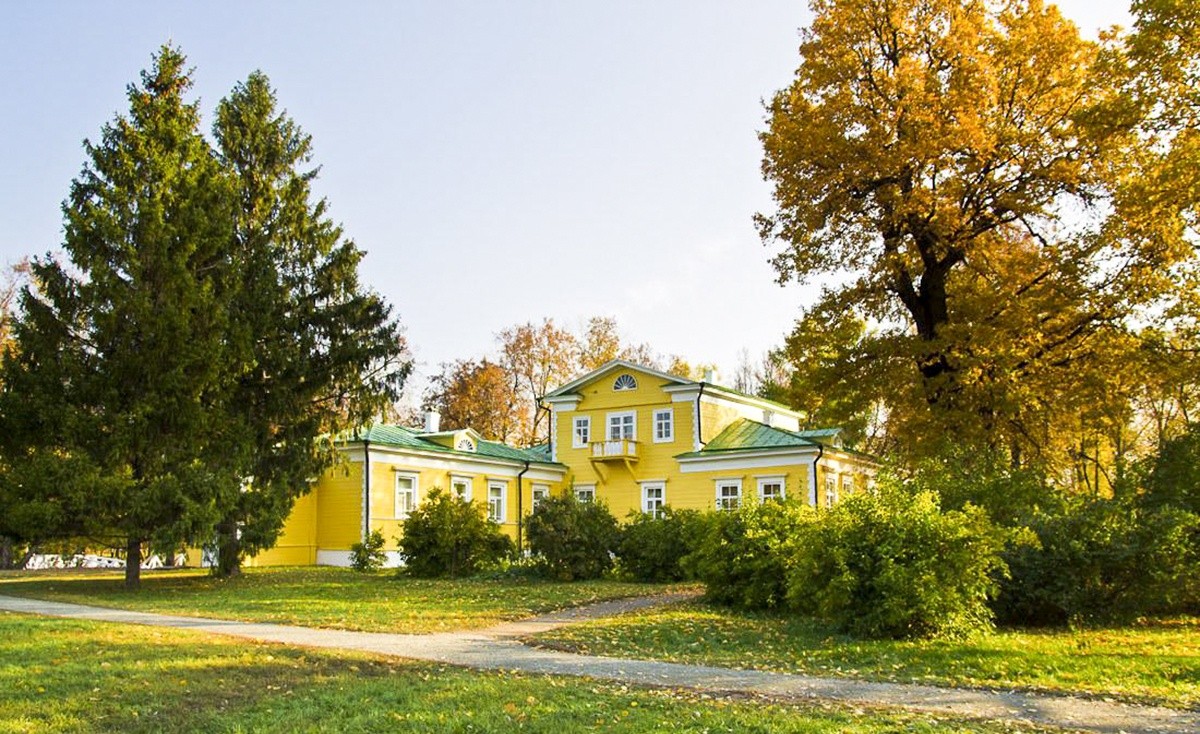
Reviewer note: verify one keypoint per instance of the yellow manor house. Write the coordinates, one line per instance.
(634, 437)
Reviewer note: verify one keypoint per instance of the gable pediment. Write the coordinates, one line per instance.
(617, 375)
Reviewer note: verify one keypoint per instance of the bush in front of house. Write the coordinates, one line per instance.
(449, 536)
(891, 563)
(742, 555)
(652, 548)
(573, 540)
(368, 555)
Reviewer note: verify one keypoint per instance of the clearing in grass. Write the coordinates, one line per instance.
(333, 598)
(73, 676)
(1154, 662)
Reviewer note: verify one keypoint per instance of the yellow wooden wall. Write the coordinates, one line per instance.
(339, 507)
(297, 544)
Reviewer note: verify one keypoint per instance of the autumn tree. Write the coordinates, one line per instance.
(311, 352)
(833, 380)
(976, 175)
(538, 358)
(499, 398)
(600, 343)
(11, 282)
(477, 394)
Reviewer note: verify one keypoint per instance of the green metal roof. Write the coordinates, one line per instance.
(745, 435)
(407, 438)
(748, 435)
(819, 433)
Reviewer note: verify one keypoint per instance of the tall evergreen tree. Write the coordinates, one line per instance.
(311, 352)
(117, 355)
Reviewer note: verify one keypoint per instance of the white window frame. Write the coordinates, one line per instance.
(625, 382)
(412, 491)
(831, 489)
(653, 506)
(456, 479)
(497, 512)
(538, 494)
(619, 419)
(669, 424)
(578, 442)
(585, 492)
(847, 485)
(721, 502)
(764, 482)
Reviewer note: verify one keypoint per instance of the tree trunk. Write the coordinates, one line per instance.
(229, 549)
(6, 552)
(133, 564)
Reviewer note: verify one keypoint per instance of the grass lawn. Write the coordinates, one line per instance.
(73, 676)
(1155, 662)
(322, 597)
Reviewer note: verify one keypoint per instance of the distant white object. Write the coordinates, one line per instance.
(43, 561)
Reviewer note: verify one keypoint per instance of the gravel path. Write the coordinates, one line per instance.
(498, 648)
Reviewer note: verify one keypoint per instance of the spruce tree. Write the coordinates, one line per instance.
(311, 352)
(117, 359)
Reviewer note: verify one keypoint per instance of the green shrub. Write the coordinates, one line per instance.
(1102, 560)
(742, 556)
(369, 555)
(449, 536)
(651, 548)
(893, 564)
(571, 539)
(1172, 478)
(966, 475)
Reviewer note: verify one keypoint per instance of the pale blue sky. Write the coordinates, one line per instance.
(499, 162)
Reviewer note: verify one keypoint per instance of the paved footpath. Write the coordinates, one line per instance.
(499, 648)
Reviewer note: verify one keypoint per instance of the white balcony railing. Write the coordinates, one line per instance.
(618, 448)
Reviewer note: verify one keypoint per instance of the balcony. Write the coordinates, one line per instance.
(618, 449)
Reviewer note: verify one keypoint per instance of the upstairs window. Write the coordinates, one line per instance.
(664, 425)
(581, 432)
(466, 444)
(625, 382)
(622, 425)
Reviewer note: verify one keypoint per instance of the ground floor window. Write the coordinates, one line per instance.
(729, 494)
(496, 501)
(406, 496)
(585, 492)
(770, 488)
(540, 493)
(654, 498)
(831, 491)
(461, 487)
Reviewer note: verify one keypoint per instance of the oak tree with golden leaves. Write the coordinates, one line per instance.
(988, 192)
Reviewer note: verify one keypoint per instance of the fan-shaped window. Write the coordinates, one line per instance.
(625, 382)
(466, 444)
